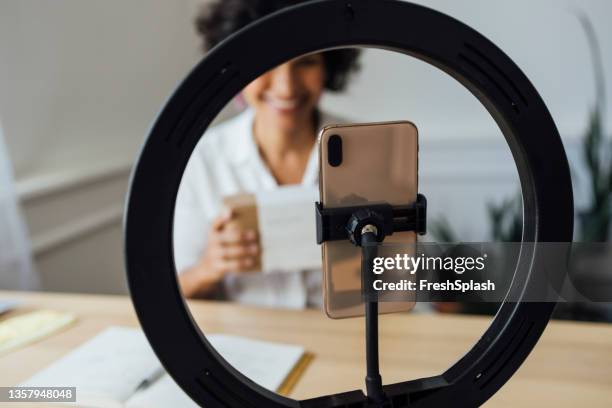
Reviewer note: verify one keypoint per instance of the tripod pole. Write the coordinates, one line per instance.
(373, 379)
(367, 226)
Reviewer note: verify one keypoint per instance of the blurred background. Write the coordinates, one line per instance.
(81, 82)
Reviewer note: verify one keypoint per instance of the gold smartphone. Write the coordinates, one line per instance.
(363, 164)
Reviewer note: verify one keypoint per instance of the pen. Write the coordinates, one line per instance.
(150, 379)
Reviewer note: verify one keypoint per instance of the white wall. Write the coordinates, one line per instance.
(80, 83)
(464, 161)
(543, 37)
(82, 80)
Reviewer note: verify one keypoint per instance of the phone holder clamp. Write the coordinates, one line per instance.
(337, 224)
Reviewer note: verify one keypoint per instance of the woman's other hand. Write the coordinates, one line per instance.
(228, 249)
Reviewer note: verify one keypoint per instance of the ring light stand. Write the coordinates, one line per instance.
(390, 24)
(366, 226)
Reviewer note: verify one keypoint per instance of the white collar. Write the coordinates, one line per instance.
(239, 144)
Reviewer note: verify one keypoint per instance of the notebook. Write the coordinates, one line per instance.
(111, 370)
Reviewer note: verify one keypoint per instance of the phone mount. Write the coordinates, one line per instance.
(435, 38)
(366, 226)
(340, 223)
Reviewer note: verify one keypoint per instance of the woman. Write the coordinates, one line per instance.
(270, 144)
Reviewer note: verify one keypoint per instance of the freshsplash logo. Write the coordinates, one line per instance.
(412, 264)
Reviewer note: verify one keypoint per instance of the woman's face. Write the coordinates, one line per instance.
(284, 98)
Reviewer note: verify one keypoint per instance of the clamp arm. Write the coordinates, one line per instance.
(335, 224)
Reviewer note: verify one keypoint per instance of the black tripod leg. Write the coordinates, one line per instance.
(373, 379)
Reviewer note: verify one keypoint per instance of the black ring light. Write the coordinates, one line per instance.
(418, 31)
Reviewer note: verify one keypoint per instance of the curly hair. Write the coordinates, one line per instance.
(221, 18)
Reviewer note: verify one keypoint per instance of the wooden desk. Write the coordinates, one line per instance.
(570, 367)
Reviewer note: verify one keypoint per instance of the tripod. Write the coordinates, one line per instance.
(366, 227)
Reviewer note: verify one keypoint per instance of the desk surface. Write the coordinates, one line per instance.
(571, 365)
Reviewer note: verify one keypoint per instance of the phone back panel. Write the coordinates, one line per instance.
(379, 164)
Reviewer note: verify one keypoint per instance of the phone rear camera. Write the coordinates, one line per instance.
(334, 150)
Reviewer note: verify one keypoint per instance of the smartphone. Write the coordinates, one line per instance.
(363, 164)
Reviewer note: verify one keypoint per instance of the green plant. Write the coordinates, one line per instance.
(595, 219)
(442, 231)
(506, 219)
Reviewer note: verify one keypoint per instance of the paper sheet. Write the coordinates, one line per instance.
(164, 393)
(108, 369)
(105, 370)
(23, 329)
(287, 229)
(267, 364)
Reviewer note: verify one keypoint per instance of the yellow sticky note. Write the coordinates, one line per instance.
(23, 329)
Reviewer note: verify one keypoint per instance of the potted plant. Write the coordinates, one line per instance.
(591, 272)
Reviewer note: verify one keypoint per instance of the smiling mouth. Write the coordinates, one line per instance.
(284, 105)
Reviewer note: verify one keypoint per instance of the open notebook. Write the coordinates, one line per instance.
(108, 370)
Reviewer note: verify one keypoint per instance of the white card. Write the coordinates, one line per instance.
(287, 229)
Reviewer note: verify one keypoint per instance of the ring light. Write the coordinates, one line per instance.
(420, 32)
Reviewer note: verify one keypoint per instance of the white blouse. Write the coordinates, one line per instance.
(225, 162)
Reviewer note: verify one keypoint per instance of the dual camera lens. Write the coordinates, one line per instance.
(334, 150)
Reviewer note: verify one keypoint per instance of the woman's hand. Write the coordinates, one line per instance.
(228, 249)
